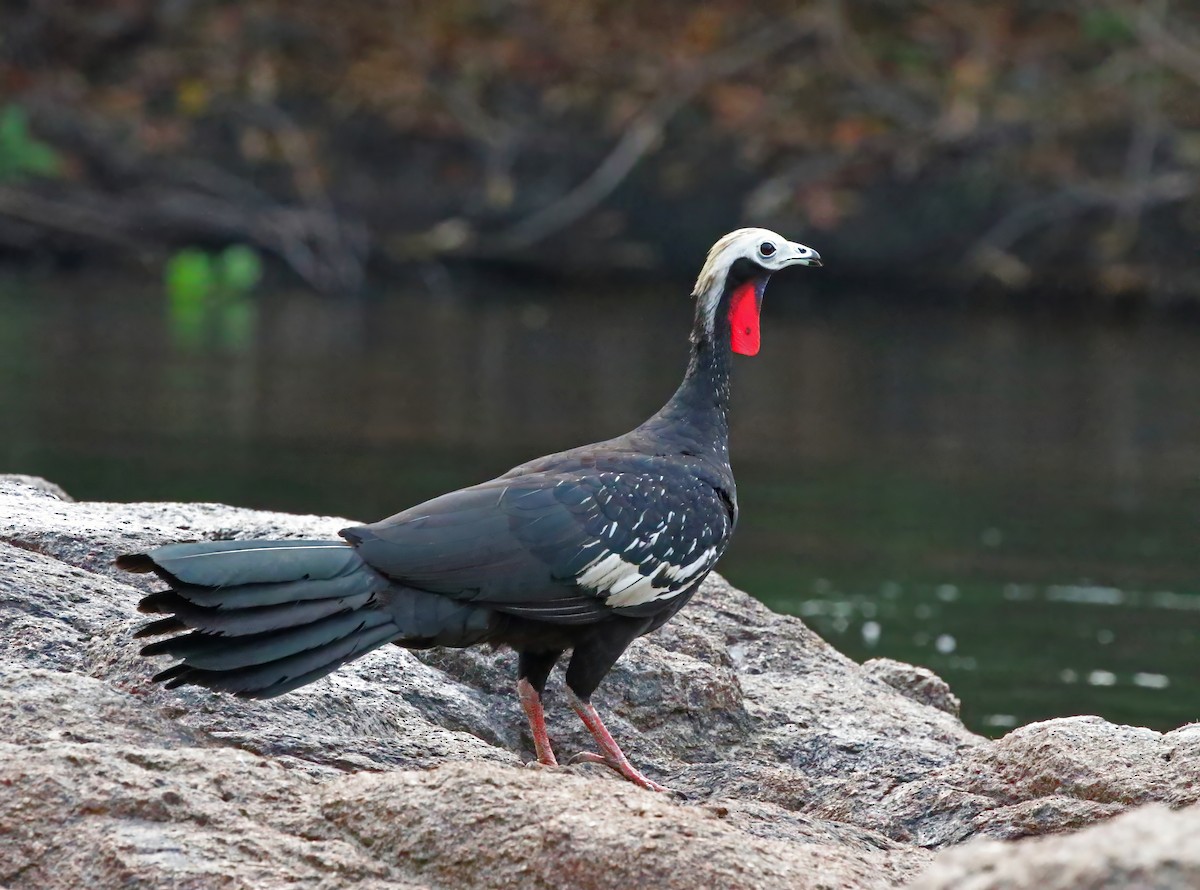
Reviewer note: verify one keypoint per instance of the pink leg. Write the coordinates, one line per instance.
(531, 704)
(611, 754)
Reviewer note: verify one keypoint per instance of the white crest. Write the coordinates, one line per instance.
(767, 249)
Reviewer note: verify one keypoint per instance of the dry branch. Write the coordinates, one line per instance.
(643, 135)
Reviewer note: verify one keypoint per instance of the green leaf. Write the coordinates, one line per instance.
(190, 285)
(207, 293)
(240, 268)
(190, 277)
(21, 153)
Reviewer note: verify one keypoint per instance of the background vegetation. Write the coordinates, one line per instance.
(1008, 146)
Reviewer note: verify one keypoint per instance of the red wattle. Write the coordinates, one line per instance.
(743, 320)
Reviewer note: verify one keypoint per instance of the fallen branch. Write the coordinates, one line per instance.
(167, 217)
(996, 243)
(642, 136)
(1166, 47)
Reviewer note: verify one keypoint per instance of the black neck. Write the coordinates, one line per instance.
(696, 419)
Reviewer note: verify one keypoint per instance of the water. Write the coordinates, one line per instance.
(1012, 501)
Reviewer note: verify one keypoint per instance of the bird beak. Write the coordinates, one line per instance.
(799, 255)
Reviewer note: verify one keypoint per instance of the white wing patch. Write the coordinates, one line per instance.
(687, 572)
(625, 585)
(604, 571)
(641, 590)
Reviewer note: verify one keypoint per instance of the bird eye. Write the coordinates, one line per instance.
(766, 249)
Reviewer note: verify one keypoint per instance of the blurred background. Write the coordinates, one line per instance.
(338, 258)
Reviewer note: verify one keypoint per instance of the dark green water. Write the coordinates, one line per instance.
(1012, 502)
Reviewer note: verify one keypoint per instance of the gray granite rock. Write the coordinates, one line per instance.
(1043, 778)
(793, 765)
(918, 683)
(1151, 848)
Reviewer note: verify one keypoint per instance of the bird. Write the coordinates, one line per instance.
(584, 550)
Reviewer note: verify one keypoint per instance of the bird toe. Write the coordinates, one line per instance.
(590, 757)
(624, 770)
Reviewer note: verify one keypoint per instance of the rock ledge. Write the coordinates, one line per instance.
(794, 766)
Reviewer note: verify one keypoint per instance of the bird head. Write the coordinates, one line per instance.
(734, 276)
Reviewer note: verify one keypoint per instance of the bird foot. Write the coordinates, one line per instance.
(545, 758)
(623, 768)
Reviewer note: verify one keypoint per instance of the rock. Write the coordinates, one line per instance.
(37, 483)
(1151, 848)
(585, 834)
(1045, 777)
(86, 535)
(918, 683)
(155, 817)
(793, 765)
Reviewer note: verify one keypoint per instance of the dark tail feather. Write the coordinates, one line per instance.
(135, 562)
(282, 675)
(265, 617)
(223, 653)
(160, 627)
(252, 620)
(232, 563)
(261, 617)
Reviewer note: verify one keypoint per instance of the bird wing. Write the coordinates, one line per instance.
(559, 546)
